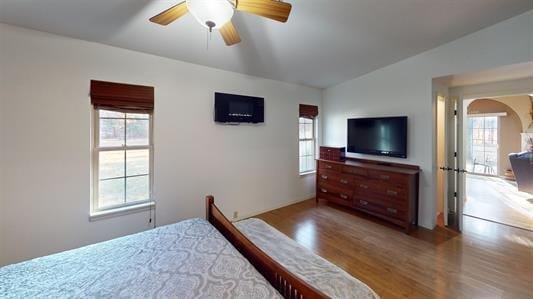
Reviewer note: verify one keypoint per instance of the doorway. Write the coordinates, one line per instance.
(473, 148)
(493, 134)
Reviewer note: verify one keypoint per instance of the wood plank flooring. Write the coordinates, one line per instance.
(488, 260)
(498, 200)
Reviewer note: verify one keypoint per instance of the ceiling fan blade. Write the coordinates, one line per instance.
(171, 14)
(271, 9)
(229, 34)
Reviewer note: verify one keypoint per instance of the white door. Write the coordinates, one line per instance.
(460, 170)
(454, 168)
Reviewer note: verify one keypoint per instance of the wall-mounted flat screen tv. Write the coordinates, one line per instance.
(231, 108)
(383, 136)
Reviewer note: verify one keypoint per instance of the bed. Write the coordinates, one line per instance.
(195, 258)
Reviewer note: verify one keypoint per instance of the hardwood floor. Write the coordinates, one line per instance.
(488, 260)
(498, 200)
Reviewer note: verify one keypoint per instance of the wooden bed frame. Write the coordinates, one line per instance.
(287, 284)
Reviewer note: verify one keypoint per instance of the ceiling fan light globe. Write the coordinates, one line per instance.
(217, 12)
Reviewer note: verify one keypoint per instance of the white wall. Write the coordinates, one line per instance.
(45, 134)
(405, 88)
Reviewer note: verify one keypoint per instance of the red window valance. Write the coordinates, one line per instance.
(122, 97)
(308, 111)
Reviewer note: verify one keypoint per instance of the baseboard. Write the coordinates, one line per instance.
(253, 214)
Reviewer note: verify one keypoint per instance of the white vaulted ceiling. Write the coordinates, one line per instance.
(325, 42)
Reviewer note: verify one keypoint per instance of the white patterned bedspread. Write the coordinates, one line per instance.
(189, 259)
(313, 269)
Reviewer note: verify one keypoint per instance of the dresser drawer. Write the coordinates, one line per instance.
(389, 211)
(355, 170)
(337, 199)
(393, 179)
(329, 166)
(365, 187)
(336, 179)
(382, 201)
(381, 193)
(392, 193)
(335, 191)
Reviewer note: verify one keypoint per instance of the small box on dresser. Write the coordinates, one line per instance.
(385, 190)
(332, 153)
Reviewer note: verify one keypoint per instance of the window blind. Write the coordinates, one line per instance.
(122, 97)
(308, 111)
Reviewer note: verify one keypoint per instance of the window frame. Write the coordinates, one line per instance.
(314, 139)
(96, 149)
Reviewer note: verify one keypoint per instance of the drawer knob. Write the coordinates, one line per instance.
(343, 196)
(392, 193)
(325, 177)
(384, 177)
(363, 186)
(329, 166)
(344, 181)
(324, 190)
(363, 202)
(394, 211)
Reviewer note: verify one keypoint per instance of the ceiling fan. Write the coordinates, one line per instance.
(217, 14)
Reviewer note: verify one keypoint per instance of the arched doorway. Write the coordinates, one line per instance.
(492, 131)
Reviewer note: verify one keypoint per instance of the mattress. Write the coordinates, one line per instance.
(318, 272)
(189, 259)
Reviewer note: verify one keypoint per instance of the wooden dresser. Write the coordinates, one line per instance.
(386, 190)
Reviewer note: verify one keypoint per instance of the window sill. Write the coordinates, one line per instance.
(307, 173)
(94, 216)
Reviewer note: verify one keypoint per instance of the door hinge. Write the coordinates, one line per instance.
(454, 112)
(455, 154)
(455, 194)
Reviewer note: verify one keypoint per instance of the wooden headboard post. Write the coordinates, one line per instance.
(286, 283)
(209, 202)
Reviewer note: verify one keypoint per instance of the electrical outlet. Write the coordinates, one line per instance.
(235, 215)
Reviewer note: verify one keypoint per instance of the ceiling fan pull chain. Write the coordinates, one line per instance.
(207, 40)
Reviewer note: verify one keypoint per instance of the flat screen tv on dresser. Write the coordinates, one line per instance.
(383, 136)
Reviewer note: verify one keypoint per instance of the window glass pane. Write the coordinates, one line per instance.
(113, 114)
(301, 131)
(482, 152)
(111, 164)
(477, 122)
(302, 164)
(309, 148)
(137, 162)
(111, 192)
(302, 148)
(309, 130)
(111, 132)
(137, 188)
(137, 115)
(310, 163)
(137, 132)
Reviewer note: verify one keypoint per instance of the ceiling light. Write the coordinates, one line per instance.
(212, 14)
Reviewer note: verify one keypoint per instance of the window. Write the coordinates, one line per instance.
(482, 156)
(307, 144)
(122, 159)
